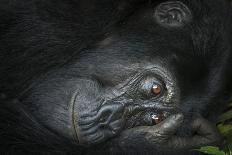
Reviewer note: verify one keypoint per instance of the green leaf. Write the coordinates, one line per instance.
(225, 129)
(211, 150)
(226, 116)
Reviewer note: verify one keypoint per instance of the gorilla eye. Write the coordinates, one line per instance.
(152, 87)
(156, 89)
(172, 14)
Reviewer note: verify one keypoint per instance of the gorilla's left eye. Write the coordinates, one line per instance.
(152, 87)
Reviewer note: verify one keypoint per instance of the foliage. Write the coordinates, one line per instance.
(211, 150)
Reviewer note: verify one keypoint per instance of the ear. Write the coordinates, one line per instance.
(172, 14)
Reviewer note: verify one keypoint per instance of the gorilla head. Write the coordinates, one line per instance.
(133, 76)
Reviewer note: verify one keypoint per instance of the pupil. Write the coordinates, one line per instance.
(156, 89)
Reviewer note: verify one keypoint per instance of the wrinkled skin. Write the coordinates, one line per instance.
(143, 77)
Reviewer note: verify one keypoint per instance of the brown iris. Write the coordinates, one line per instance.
(156, 119)
(156, 89)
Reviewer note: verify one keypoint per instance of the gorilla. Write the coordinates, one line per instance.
(125, 76)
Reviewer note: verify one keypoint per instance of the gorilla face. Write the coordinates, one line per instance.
(153, 82)
(144, 98)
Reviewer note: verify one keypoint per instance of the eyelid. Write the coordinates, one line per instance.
(146, 84)
(151, 82)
